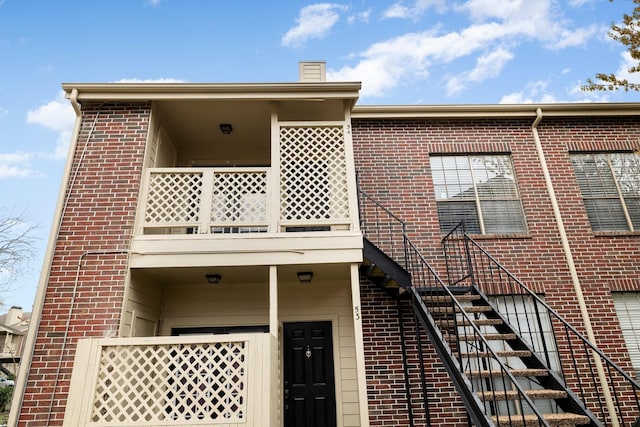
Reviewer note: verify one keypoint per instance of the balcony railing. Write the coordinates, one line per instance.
(242, 200)
(174, 381)
(206, 200)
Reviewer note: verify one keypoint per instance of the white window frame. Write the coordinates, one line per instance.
(627, 306)
(613, 190)
(471, 190)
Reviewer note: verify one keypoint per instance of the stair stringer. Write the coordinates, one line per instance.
(572, 403)
(474, 406)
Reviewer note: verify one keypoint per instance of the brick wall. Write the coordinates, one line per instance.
(392, 162)
(385, 370)
(86, 285)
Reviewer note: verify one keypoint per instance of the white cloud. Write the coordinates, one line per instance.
(497, 27)
(573, 37)
(384, 65)
(15, 165)
(3, 112)
(578, 3)
(314, 22)
(623, 71)
(626, 63)
(161, 80)
(359, 17)
(536, 20)
(534, 92)
(58, 116)
(153, 3)
(584, 96)
(399, 10)
(487, 66)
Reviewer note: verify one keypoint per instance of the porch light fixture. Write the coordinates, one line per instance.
(305, 276)
(226, 128)
(213, 279)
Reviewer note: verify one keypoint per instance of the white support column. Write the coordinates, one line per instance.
(273, 301)
(273, 192)
(274, 364)
(354, 216)
(359, 341)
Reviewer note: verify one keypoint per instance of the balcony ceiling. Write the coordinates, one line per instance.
(244, 274)
(194, 127)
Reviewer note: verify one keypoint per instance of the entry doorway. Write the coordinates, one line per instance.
(309, 383)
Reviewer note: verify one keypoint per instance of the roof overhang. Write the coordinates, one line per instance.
(213, 91)
(494, 111)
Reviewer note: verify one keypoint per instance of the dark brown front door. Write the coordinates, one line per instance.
(309, 389)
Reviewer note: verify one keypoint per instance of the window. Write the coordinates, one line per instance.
(628, 309)
(610, 186)
(532, 322)
(479, 190)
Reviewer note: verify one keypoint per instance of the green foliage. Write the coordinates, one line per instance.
(627, 33)
(6, 393)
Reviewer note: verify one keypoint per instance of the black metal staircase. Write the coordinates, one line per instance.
(491, 334)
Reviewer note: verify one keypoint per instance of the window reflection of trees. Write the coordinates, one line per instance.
(610, 187)
(479, 190)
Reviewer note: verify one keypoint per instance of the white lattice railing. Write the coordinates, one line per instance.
(172, 381)
(313, 174)
(206, 200)
(308, 189)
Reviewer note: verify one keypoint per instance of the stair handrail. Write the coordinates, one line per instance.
(382, 227)
(482, 267)
(389, 223)
(417, 274)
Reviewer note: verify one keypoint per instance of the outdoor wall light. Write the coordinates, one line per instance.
(213, 279)
(226, 128)
(305, 276)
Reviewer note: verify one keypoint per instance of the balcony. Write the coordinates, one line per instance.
(175, 381)
(207, 201)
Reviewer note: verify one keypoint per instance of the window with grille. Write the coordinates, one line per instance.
(479, 190)
(628, 310)
(610, 186)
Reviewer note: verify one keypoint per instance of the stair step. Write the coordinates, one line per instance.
(465, 322)
(434, 299)
(566, 419)
(469, 309)
(514, 372)
(507, 353)
(514, 395)
(474, 337)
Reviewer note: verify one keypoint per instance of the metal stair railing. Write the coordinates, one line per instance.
(467, 262)
(382, 228)
(491, 378)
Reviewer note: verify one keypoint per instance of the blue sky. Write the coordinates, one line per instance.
(404, 52)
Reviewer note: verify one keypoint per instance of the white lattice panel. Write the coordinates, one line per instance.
(239, 198)
(182, 383)
(174, 198)
(313, 183)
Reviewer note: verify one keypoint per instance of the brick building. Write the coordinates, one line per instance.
(273, 254)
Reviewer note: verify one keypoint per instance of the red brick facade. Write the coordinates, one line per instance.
(386, 376)
(85, 292)
(392, 161)
(86, 284)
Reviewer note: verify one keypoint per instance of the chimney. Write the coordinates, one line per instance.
(14, 316)
(312, 71)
